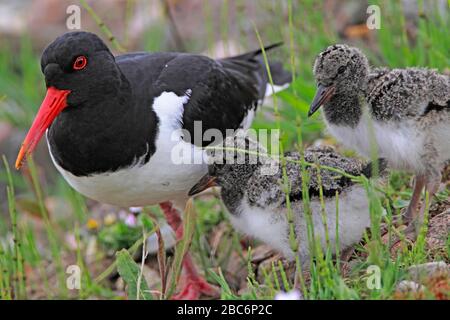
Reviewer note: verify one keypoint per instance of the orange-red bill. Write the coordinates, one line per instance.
(54, 102)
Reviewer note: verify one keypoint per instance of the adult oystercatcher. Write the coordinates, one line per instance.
(404, 112)
(112, 123)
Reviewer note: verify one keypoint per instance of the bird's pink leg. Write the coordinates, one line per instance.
(194, 285)
(413, 209)
(412, 212)
(431, 186)
(414, 215)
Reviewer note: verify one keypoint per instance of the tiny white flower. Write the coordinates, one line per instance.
(291, 295)
(135, 209)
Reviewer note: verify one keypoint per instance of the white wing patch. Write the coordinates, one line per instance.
(271, 90)
(248, 119)
(169, 108)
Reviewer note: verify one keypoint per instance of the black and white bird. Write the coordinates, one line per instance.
(403, 113)
(117, 125)
(255, 196)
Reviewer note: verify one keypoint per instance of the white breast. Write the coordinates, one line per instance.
(353, 217)
(400, 143)
(169, 174)
(271, 226)
(263, 225)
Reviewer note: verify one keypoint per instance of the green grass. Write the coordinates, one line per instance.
(34, 251)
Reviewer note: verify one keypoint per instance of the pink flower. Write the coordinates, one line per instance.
(131, 220)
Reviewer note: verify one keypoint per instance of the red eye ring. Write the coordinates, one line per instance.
(80, 63)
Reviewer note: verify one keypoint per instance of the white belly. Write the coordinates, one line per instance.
(401, 145)
(263, 225)
(353, 217)
(157, 181)
(271, 226)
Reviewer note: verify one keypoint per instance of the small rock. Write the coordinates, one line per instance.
(430, 279)
(407, 286)
(427, 270)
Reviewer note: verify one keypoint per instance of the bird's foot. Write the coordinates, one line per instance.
(194, 287)
(409, 214)
(412, 212)
(409, 236)
(346, 254)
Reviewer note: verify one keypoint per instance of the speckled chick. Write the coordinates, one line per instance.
(405, 113)
(254, 195)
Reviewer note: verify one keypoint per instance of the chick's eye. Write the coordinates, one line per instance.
(80, 63)
(341, 69)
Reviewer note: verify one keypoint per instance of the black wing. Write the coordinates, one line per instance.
(222, 91)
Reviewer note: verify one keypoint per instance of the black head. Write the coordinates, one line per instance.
(78, 68)
(82, 63)
(339, 69)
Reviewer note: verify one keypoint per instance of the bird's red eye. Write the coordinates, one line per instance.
(80, 63)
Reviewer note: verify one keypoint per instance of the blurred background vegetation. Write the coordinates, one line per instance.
(46, 226)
